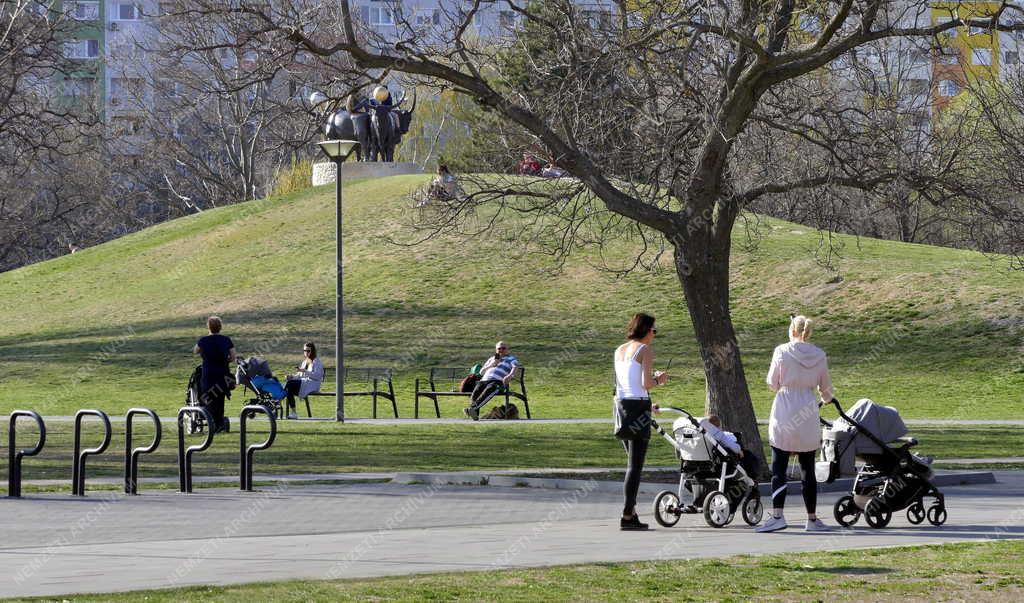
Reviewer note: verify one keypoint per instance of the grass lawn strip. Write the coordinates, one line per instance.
(985, 571)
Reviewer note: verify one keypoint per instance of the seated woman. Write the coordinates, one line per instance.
(444, 185)
(307, 380)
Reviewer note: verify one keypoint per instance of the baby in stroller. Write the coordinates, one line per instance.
(712, 475)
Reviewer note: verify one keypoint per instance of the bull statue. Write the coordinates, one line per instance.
(377, 124)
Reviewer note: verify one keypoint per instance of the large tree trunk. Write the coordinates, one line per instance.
(706, 286)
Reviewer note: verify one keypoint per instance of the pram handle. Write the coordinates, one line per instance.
(680, 411)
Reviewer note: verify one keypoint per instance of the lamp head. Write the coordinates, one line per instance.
(337, 149)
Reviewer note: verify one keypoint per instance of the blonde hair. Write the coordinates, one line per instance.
(801, 327)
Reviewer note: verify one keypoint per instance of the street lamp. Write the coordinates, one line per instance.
(337, 151)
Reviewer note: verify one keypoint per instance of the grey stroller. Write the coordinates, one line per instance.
(891, 478)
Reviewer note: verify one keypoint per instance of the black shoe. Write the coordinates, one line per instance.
(689, 510)
(632, 524)
(472, 413)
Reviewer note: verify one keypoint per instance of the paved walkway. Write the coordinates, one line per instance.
(57, 544)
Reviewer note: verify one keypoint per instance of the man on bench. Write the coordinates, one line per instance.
(497, 372)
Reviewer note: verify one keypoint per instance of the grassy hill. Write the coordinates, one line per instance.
(936, 332)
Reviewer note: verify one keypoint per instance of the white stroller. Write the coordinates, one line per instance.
(710, 478)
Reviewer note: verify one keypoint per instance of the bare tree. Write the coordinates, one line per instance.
(652, 107)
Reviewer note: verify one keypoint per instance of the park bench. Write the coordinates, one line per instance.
(372, 382)
(444, 382)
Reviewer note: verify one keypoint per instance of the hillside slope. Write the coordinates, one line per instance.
(937, 332)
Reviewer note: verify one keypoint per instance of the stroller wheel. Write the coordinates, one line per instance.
(753, 510)
(915, 513)
(877, 513)
(937, 514)
(666, 509)
(716, 510)
(846, 511)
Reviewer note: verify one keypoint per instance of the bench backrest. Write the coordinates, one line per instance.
(448, 377)
(361, 375)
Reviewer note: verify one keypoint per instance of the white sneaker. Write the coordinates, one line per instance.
(292, 415)
(773, 524)
(816, 525)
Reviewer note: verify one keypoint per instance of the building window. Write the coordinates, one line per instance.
(1011, 58)
(80, 87)
(84, 11)
(947, 55)
(123, 88)
(810, 23)
(949, 32)
(126, 126)
(981, 56)
(428, 16)
(380, 15)
(507, 19)
(128, 11)
(82, 49)
(948, 88)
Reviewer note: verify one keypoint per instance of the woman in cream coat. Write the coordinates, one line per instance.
(798, 369)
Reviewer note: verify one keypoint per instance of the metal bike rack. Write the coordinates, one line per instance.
(131, 457)
(185, 454)
(78, 469)
(245, 454)
(14, 457)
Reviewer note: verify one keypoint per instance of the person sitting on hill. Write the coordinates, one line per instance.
(552, 171)
(444, 186)
(529, 166)
(497, 372)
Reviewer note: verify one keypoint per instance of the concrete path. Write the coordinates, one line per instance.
(56, 544)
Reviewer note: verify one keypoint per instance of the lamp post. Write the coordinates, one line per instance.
(337, 151)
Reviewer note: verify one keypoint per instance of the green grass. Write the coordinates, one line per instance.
(987, 571)
(327, 448)
(933, 331)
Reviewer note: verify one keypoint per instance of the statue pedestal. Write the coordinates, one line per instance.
(324, 172)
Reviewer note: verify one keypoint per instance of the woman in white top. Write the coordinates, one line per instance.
(798, 369)
(634, 377)
(307, 380)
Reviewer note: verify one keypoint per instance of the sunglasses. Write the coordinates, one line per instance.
(655, 331)
(307, 351)
(501, 349)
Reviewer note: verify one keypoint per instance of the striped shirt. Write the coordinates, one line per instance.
(500, 369)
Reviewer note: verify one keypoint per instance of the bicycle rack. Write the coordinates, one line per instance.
(245, 454)
(185, 455)
(14, 457)
(131, 457)
(78, 469)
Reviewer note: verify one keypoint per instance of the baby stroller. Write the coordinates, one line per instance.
(194, 422)
(710, 478)
(254, 375)
(891, 478)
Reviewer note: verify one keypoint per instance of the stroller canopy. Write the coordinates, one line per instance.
(883, 422)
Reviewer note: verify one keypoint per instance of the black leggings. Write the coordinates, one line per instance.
(780, 460)
(292, 387)
(636, 451)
